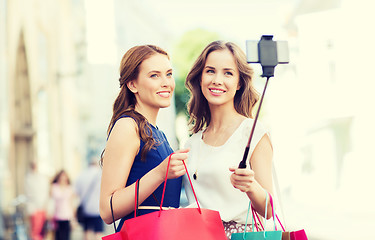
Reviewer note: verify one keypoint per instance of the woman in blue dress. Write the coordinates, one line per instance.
(136, 149)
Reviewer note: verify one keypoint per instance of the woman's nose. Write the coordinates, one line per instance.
(166, 81)
(217, 79)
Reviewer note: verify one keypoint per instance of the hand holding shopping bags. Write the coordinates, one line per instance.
(181, 223)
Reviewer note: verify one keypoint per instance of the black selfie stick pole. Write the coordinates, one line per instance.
(246, 153)
(267, 51)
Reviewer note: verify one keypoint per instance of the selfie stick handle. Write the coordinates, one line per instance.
(246, 153)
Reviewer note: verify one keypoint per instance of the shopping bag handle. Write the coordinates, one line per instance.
(275, 215)
(273, 211)
(113, 217)
(162, 198)
(253, 213)
(165, 183)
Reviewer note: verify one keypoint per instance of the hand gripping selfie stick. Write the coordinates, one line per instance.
(268, 53)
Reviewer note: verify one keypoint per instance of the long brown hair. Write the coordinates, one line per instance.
(125, 101)
(244, 99)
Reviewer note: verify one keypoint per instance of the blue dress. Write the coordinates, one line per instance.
(154, 157)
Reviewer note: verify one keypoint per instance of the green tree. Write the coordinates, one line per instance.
(184, 54)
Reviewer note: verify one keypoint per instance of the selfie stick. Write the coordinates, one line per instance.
(270, 54)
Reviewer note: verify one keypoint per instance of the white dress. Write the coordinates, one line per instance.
(212, 186)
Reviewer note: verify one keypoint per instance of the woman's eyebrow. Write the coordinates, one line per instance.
(209, 67)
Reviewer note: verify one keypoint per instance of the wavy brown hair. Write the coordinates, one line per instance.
(244, 99)
(126, 101)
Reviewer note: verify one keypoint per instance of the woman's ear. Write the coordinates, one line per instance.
(132, 86)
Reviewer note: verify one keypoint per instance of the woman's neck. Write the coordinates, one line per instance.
(222, 125)
(150, 114)
(221, 118)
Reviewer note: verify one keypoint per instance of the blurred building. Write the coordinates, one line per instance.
(121, 25)
(59, 65)
(327, 163)
(334, 62)
(40, 51)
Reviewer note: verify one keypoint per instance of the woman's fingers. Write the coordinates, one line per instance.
(176, 165)
(242, 179)
(186, 150)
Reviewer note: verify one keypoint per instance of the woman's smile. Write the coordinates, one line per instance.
(217, 91)
(164, 94)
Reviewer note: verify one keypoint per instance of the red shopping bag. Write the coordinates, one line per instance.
(295, 235)
(116, 236)
(291, 235)
(287, 235)
(181, 223)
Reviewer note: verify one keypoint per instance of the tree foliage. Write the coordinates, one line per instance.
(185, 53)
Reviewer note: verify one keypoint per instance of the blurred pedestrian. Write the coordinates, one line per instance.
(36, 191)
(88, 189)
(63, 196)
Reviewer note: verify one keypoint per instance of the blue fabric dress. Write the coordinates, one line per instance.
(154, 157)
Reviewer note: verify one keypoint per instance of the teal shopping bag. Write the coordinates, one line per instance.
(271, 235)
(261, 235)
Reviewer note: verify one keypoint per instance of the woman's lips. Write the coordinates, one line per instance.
(216, 91)
(164, 94)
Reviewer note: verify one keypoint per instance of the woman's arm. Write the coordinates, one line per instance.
(121, 149)
(255, 181)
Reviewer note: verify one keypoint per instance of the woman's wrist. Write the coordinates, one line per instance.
(158, 173)
(255, 190)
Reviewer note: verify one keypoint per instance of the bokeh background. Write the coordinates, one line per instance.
(59, 63)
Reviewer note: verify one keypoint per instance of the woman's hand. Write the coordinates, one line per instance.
(176, 166)
(243, 179)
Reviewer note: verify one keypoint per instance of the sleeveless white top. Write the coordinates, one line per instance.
(212, 186)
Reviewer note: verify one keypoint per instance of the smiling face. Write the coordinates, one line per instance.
(155, 84)
(220, 78)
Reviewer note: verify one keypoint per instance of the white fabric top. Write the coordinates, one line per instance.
(62, 196)
(213, 187)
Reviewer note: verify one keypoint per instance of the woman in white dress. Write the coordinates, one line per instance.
(220, 108)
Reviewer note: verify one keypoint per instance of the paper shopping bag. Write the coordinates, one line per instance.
(258, 235)
(116, 236)
(292, 235)
(285, 236)
(269, 235)
(181, 224)
(298, 235)
(295, 235)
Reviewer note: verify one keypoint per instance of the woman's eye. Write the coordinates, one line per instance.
(228, 73)
(210, 71)
(169, 74)
(154, 76)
